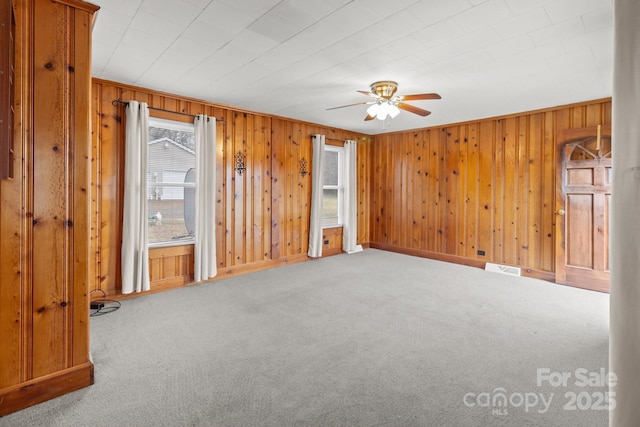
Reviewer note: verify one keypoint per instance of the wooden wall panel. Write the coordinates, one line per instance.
(435, 193)
(292, 192)
(331, 241)
(45, 211)
(497, 159)
(453, 188)
(393, 176)
(14, 277)
(247, 198)
(522, 183)
(107, 196)
(548, 188)
(289, 208)
(486, 200)
(363, 183)
(171, 266)
(262, 216)
(486, 185)
(471, 196)
(511, 189)
(50, 195)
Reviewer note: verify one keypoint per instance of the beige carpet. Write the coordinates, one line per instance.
(370, 339)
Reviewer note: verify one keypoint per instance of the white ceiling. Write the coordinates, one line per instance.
(296, 58)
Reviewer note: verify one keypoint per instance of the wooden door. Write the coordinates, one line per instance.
(582, 208)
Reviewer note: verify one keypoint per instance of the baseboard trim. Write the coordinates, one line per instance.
(539, 274)
(331, 252)
(259, 266)
(431, 255)
(38, 390)
(456, 259)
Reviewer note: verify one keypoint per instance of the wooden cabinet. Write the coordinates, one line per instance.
(44, 210)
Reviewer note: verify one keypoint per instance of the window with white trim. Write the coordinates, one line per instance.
(171, 182)
(333, 186)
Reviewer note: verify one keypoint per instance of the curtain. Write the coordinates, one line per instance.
(315, 224)
(205, 227)
(135, 257)
(350, 215)
(624, 341)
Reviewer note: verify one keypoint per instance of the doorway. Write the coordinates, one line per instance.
(583, 198)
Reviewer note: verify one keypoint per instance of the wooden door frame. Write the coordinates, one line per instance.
(566, 136)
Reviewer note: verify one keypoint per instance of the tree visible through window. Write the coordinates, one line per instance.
(171, 182)
(333, 187)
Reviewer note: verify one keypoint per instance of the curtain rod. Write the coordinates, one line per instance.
(331, 139)
(119, 101)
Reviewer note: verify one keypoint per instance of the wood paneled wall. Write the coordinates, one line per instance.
(171, 266)
(262, 216)
(448, 192)
(292, 192)
(44, 210)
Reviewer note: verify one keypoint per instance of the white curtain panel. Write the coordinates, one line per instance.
(624, 358)
(205, 229)
(135, 256)
(350, 215)
(315, 223)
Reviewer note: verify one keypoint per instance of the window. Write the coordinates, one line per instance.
(333, 186)
(171, 182)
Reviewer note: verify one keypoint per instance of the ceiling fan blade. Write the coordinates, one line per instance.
(350, 105)
(368, 93)
(369, 117)
(412, 109)
(420, 96)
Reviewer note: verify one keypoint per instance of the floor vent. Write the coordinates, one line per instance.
(504, 269)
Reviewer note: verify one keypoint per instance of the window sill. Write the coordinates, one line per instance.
(170, 244)
(325, 227)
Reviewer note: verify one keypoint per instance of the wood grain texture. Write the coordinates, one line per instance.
(262, 216)
(44, 216)
(45, 388)
(444, 192)
(171, 266)
(583, 191)
(7, 89)
(331, 241)
(487, 185)
(13, 275)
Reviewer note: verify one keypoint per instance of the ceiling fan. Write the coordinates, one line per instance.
(387, 104)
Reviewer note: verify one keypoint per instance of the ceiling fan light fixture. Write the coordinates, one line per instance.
(382, 110)
(393, 110)
(373, 110)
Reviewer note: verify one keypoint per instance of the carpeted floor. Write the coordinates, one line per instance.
(370, 339)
